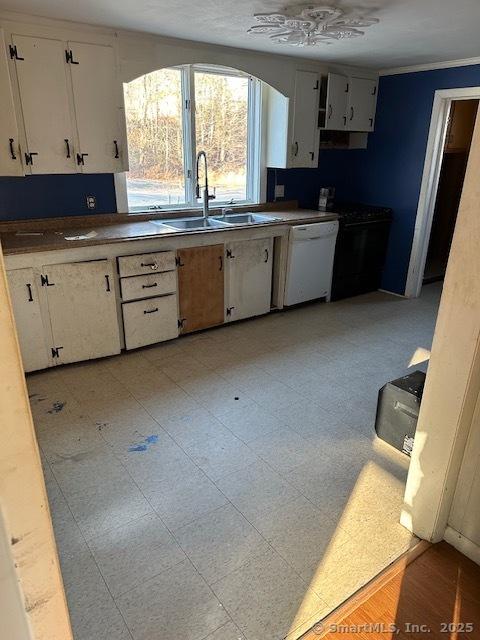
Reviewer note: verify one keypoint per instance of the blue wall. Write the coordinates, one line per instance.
(389, 172)
(55, 195)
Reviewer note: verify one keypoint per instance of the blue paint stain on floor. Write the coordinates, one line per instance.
(145, 445)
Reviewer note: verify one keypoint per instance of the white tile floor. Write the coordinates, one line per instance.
(229, 484)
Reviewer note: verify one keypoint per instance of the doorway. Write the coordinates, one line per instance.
(460, 125)
(440, 130)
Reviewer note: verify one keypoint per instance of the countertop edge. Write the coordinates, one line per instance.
(62, 244)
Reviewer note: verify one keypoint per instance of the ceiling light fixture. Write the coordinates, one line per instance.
(311, 25)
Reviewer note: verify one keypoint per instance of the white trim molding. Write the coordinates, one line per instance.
(430, 66)
(462, 544)
(428, 191)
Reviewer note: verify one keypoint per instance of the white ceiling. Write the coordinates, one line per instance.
(410, 31)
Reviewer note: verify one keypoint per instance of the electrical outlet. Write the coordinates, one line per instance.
(91, 202)
(279, 191)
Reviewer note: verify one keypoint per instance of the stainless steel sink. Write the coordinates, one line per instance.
(245, 218)
(191, 224)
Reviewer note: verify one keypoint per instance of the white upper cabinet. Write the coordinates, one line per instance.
(43, 89)
(362, 100)
(350, 103)
(305, 120)
(336, 106)
(99, 118)
(10, 161)
(69, 105)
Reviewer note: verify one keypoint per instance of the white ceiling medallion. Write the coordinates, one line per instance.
(310, 25)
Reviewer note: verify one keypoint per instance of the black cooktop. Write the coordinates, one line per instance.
(352, 212)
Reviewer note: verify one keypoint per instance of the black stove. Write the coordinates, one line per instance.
(356, 213)
(361, 248)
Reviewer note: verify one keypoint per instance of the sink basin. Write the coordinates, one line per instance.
(191, 224)
(246, 218)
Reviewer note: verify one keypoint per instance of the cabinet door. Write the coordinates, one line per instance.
(362, 99)
(42, 80)
(83, 310)
(96, 92)
(28, 319)
(337, 96)
(249, 278)
(10, 162)
(305, 122)
(201, 287)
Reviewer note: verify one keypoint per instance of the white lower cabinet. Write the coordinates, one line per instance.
(28, 319)
(82, 309)
(249, 278)
(149, 321)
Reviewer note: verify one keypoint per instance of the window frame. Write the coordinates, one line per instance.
(254, 140)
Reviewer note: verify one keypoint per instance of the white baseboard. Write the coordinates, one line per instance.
(392, 293)
(462, 544)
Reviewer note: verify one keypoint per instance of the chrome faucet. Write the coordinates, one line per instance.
(206, 195)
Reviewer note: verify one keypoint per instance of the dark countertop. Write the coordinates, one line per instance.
(29, 238)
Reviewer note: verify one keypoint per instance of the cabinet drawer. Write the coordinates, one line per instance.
(152, 285)
(146, 263)
(149, 321)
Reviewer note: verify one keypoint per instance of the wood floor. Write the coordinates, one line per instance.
(435, 595)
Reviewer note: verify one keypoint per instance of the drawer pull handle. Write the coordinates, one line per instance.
(266, 255)
(149, 286)
(107, 283)
(153, 265)
(12, 150)
(151, 310)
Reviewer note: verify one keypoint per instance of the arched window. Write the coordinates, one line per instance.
(174, 113)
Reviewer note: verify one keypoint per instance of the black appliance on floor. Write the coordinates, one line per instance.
(360, 250)
(397, 411)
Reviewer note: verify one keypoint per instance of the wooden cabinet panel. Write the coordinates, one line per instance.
(28, 319)
(83, 310)
(10, 160)
(100, 122)
(150, 321)
(201, 287)
(249, 278)
(43, 86)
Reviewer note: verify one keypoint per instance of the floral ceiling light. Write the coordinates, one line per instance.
(310, 25)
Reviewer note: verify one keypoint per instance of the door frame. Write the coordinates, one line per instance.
(431, 176)
(453, 382)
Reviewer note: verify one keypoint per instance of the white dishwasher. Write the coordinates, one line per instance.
(311, 250)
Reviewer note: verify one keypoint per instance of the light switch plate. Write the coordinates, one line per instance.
(279, 191)
(91, 202)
